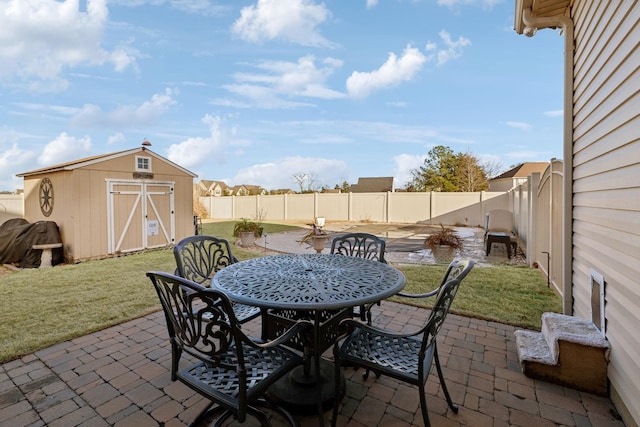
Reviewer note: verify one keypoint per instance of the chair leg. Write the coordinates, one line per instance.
(336, 400)
(318, 388)
(423, 405)
(176, 352)
(453, 406)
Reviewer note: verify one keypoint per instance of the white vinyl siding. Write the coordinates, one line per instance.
(606, 186)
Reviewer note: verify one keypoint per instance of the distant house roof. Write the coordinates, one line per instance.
(254, 189)
(75, 164)
(283, 191)
(524, 170)
(373, 185)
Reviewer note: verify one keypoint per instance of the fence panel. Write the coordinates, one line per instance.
(409, 207)
(334, 207)
(11, 206)
(369, 207)
(272, 207)
(301, 206)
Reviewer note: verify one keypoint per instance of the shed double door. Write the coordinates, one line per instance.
(141, 215)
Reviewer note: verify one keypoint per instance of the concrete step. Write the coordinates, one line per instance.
(569, 351)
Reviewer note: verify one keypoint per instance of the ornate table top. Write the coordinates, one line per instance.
(308, 281)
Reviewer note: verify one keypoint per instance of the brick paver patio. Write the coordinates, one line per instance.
(120, 377)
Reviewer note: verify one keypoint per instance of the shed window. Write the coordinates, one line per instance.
(143, 164)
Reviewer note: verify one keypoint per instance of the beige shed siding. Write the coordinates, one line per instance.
(606, 201)
(80, 202)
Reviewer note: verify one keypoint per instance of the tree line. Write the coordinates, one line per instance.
(445, 170)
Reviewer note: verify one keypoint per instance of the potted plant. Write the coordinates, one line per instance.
(443, 244)
(246, 230)
(316, 236)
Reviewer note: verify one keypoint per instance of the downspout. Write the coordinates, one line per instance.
(533, 24)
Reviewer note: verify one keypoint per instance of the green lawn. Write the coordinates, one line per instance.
(42, 307)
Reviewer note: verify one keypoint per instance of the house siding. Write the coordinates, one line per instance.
(606, 182)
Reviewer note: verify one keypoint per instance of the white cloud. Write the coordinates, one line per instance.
(519, 125)
(278, 174)
(371, 4)
(199, 7)
(127, 115)
(278, 81)
(197, 151)
(487, 4)
(452, 50)
(64, 148)
(13, 160)
(391, 73)
(116, 138)
(295, 21)
(404, 164)
(39, 39)
(554, 113)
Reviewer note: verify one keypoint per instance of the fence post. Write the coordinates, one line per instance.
(233, 207)
(430, 206)
(285, 208)
(532, 245)
(386, 206)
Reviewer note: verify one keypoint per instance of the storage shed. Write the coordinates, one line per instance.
(112, 203)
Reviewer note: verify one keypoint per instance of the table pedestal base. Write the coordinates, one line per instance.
(298, 394)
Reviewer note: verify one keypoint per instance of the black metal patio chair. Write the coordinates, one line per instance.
(407, 357)
(360, 245)
(199, 257)
(232, 370)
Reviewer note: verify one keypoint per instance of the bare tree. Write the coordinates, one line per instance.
(307, 181)
(492, 168)
(470, 175)
(299, 178)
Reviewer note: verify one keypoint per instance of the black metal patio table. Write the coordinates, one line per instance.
(321, 287)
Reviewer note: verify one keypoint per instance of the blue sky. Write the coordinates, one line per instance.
(255, 91)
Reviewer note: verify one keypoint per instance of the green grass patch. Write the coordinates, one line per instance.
(515, 295)
(42, 307)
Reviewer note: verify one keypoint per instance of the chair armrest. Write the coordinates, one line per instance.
(349, 325)
(297, 327)
(431, 293)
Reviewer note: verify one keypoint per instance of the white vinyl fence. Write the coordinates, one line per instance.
(465, 209)
(11, 206)
(537, 208)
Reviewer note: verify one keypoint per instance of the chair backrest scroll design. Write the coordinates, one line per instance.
(200, 320)
(199, 257)
(361, 245)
